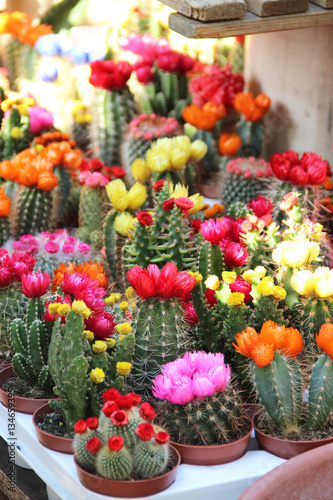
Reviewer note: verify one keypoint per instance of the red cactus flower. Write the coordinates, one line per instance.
(6, 277)
(241, 286)
(92, 423)
(136, 399)
(145, 431)
(18, 264)
(145, 218)
(196, 225)
(125, 402)
(82, 287)
(109, 407)
(110, 395)
(115, 443)
(158, 185)
(211, 300)
(214, 230)
(162, 437)
(184, 204)
(80, 427)
(168, 204)
(102, 324)
(190, 314)
(147, 411)
(235, 254)
(35, 285)
(261, 206)
(119, 418)
(94, 445)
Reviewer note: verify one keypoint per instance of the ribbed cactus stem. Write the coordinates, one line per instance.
(114, 464)
(150, 459)
(60, 195)
(32, 211)
(83, 457)
(210, 260)
(138, 251)
(320, 393)
(161, 335)
(252, 135)
(92, 212)
(127, 432)
(279, 387)
(311, 314)
(4, 230)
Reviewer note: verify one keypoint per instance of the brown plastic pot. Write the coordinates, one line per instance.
(307, 476)
(129, 489)
(4, 365)
(285, 448)
(18, 403)
(215, 454)
(56, 443)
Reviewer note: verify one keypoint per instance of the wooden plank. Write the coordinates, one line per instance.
(209, 10)
(276, 7)
(327, 4)
(250, 24)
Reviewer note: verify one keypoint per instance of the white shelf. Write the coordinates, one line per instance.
(58, 471)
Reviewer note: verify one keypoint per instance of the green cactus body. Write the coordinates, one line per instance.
(114, 110)
(279, 386)
(113, 247)
(108, 429)
(31, 211)
(13, 305)
(311, 314)
(207, 421)
(81, 135)
(320, 393)
(266, 309)
(238, 209)
(114, 464)
(237, 187)
(60, 194)
(12, 145)
(4, 230)
(85, 459)
(252, 135)
(210, 163)
(210, 322)
(92, 212)
(210, 260)
(138, 251)
(161, 335)
(150, 459)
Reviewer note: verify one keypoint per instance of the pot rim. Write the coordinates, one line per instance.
(282, 440)
(42, 411)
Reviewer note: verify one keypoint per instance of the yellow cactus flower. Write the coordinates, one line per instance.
(124, 224)
(117, 194)
(89, 335)
(198, 203)
(123, 368)
(97, 375)
(53, 308)
(87, 117)
(113, 299)
(198, 150)
(130, 293)
(137, 195)
(296, 254)
(236, 299)
(123, 328)
(323, 283)
(86, 313)
(123, 306)
(140, 170)
(260, 272)
(303, 282)
(212, 282)
(28, 101)
(99, 346)
(249, 276)
(265, 286)
(16, 133)
(121, 338)
(179, 191)
(64, 309)
(182, 142)
(158, 161)
(23, 110)
(229, 277)
(279, 293)
(197, 276)
(79, 306)
(110, 343)
(178, 158)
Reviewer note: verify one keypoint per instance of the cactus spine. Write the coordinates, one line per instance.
(31, 211)
(83, 457)
(320, 393)
(150, 459)
(310, 314)
(92, 212)
(252, 135)
(114, 464)
(13, 305)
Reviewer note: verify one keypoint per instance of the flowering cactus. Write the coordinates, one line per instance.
(122, 442)
(161, 332)
(278, 377)
(193, 386)
(5, 204)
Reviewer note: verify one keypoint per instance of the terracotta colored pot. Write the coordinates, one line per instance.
(284, 448)
(22, 405)
(4, 365)
(210, 191)
(57, 443)
(129, 489)
(307, 476)
(215, 454)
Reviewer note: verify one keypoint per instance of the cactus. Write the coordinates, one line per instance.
(243, 180)
(161, 335)
(71, 361)
(92, 212)
(320, 393)
(310, 314)
(114, 110)
(85, 459)
(142, 131)
(108, 429)
(60, 195)
(12, 144)
(236, 57)
(210, 260)
(150, 459)
(30, 341)
(114, 464)
(205, 421)
(57, 15)
(210, 163)
(4, 230)
(31, 211)
(252, 135)
(13, 305)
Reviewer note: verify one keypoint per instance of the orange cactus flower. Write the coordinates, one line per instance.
(27, 175)
(198, 118)
(242, 100)
(253, 108)
(4, 203)
(246, 341)
(95, 271)
(59, 274)
(263, 102)
(47, 181)
(210, 212)
(229, 144)
(325, 201)
(262, 354)
(72, 159)
(324, 338)
(272, 334)
(218, 110)
(7, 170)
(328, 184)
(292, 343)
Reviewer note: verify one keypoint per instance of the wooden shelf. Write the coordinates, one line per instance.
(250, 24)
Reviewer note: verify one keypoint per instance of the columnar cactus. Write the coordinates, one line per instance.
(78, 370)
(31, 211)
(194, 412)
(161, 333)
(5, 204)
(122, 443)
